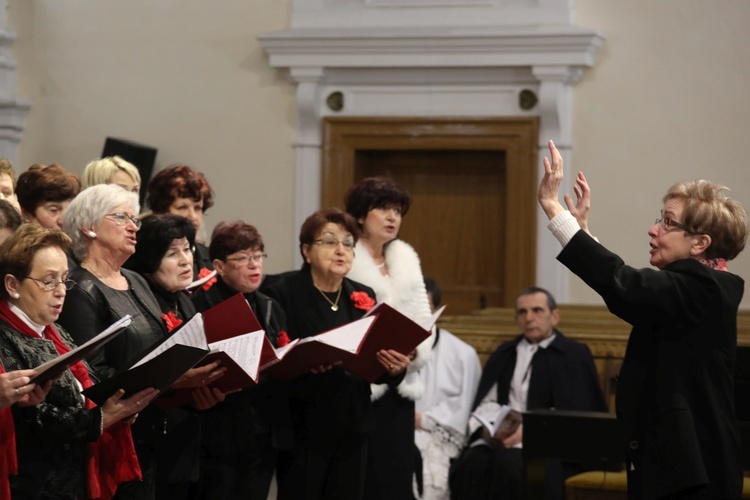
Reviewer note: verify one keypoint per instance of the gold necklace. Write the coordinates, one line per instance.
(334, 305)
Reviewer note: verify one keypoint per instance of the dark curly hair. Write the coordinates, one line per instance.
(231, 237)
(178, 181)
(375, 192)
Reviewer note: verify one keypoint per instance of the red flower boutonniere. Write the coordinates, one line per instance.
(202, 274)
(282, 339)
(171, 320)
(362, 301)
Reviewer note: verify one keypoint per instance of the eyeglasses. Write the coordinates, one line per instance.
(667, 223)
(330, 243)
(122, 219)
(244, 259)
(50, 285)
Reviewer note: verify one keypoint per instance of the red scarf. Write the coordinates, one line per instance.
(718, 264)
(112, 459)
(8, 459)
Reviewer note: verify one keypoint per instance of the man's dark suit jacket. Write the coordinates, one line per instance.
(675, 391)
(563, 376)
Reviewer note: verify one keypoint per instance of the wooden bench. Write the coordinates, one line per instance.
(605, 334)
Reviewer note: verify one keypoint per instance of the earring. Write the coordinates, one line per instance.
(16, 295)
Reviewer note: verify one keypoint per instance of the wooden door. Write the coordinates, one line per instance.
(472, 184)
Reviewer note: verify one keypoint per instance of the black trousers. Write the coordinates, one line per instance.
(245, 475)
(481, 473)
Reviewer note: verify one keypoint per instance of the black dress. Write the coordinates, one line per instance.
(241, 436)
(331, 411)
(177, 473)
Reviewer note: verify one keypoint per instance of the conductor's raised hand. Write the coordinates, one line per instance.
(580, 209)
(549, 188)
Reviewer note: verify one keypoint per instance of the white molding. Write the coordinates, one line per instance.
(431, 71)
(13, 110)
(413, 13)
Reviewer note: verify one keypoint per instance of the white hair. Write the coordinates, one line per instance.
(87, 210)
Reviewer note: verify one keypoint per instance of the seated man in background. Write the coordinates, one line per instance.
(450, 380)
(539, 369)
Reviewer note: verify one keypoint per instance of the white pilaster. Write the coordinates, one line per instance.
(13, 110)
(446, 58)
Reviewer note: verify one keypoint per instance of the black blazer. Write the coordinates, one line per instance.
(201, 259)
(336, 402)
(675, 392)
(91, 306)
(270, 314)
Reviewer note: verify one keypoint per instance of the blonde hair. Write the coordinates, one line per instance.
(102, 170)
(708, 210)
(6, 167)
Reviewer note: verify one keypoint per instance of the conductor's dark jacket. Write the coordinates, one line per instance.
(675, 393)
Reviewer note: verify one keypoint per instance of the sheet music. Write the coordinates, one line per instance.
(118, 325)
(190, 334)
(281, 351)
(245, 350)
(427, 325)
(372, 311)
(347, 337)
(201, 281)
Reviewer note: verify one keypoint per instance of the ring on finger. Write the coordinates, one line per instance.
(18, 393)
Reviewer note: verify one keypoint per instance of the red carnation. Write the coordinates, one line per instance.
(362, 301)
(171, 320)
(202, 274)
(283, 339)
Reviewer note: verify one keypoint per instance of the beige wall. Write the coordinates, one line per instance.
(187, 77)
(667, 101)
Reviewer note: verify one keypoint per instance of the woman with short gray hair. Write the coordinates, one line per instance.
(102, 223)
(90, 211)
